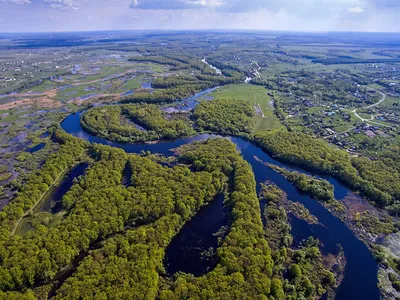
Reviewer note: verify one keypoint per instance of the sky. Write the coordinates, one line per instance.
(280, 15)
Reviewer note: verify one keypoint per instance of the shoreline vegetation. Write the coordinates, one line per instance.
(302, 269)
(110, 239)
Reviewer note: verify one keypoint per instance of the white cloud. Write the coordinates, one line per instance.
(209, 3)
(16, 1)
(299, 15)
(239, 6)
(63, 4)
(175, 4)
(356, 10)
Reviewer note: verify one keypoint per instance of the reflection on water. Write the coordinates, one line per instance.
(37, 148)
(360, 278)
(192, 250)
(52, 201)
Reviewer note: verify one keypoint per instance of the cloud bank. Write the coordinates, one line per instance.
(295, 15)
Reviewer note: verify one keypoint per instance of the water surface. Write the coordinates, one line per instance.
(192, 250)
(52, 201)
(360, 278)
(37, 148)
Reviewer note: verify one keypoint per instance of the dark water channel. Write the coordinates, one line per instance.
(187, 250)
(52, 201)
(126, 176)
(37, 148)
(360, 280)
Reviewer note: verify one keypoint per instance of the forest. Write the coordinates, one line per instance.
(317, 188)
(126, 237)
(116, 248)
(225, 116)
(303, 150)
(117, 123)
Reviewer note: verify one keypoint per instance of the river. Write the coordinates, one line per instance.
(218, 71)
(360, 276)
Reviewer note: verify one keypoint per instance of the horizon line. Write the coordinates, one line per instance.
(199, 30)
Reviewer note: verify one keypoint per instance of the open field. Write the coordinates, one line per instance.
(122, 216)
(256, 95)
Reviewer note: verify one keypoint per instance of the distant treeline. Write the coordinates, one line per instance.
(345, 60)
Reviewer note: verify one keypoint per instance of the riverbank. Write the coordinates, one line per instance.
(361, 268)
(43, 196)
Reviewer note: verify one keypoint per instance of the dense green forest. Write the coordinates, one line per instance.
(113, 123)
(306, 151)
(113, 238)
(225, 116)
(318, 188)
(383, 172)
(123, 240)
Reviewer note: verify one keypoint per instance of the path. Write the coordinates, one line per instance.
(37, 202)
(354, 111)
(257, 106)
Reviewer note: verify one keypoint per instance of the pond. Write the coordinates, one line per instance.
(360, 276)
(44, 135)
(192, 250)
(189, 103)
(146, 85)
(85, 97)
(37, 148)
(127, 93)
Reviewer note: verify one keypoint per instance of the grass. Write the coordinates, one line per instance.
(76, 92)
(157, 68)
(30, 211)
(391, 100)
(130, 85)
(15, 116)
(24, 226)
(5, 176)
(375, 86)
(43, 87)
(256, 95)
(104, 72)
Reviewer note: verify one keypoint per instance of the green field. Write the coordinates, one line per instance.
(130, 85)
(257, 95)
(391, 100)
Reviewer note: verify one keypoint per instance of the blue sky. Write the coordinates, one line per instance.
(290, 15)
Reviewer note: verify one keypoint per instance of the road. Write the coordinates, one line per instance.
(354, 111)
(14, 229)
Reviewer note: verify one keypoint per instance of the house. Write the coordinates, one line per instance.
(330, 131)
(381, 133)
(370, 133)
